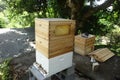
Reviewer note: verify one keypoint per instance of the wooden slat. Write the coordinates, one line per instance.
(42, 41)
(42, 49)
(76, 44)
(61, 42)
(42, 35)
(61, 37)
(102, 54)
(42, 45)
(42, 29)
(61, 51)
(41, 21)
(60, 46)
(80, 39)
(52, 23)
(106, 57)
(84, 41)
(53, 49)
(84, 51)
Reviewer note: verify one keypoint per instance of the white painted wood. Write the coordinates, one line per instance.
(55, 64)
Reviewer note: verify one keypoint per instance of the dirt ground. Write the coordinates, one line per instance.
(24, 56)
(14, 42)
(109, 70)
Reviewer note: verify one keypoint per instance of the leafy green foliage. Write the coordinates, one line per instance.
(102, 22)
(5, 70)
(21, 13)
(114, 43)
(115, 39)
(2, 6)
(20, 6)
(114, 48)
(20, 20)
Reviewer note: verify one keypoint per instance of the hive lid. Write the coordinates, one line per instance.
(89, 36)
(54, 19)
(102, 54)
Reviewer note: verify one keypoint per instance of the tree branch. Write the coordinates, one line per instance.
(104, 5)
(95, 9)
(91, 11)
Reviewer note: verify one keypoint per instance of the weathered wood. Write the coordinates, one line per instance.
(83, 45)
(84, 51)
(85, 41)
(102, 54)
(54, 36)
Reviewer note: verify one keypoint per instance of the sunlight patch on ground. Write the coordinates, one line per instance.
(4, 31)
(15, 41)
(18, 32)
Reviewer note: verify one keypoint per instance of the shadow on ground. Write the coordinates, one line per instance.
(14, 42)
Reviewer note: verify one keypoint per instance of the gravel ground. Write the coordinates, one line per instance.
(18, 43)
(14, 42)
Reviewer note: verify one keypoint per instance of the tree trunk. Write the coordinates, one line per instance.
(77, 7)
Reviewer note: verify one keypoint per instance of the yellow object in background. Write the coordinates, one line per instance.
(62, 30)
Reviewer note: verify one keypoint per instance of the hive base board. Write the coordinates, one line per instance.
(67, 74)
(35, 74)
(56, 64)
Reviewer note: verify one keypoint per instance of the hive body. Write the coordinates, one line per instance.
(83, 45)
(54, 43)
(54, 36)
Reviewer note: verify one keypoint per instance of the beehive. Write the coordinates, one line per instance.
(102, 54)
(54, 36)
(83, 45)
(54, 65)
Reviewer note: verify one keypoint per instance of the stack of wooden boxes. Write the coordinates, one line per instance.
(84, 45)
(54, 44)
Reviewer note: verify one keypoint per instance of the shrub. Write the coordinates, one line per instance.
(5, 70)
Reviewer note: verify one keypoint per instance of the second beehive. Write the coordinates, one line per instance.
(83, 45)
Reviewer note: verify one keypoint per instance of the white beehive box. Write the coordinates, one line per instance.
(55, 64)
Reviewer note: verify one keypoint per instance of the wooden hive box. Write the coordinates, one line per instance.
(102, 55)
(54, 36)
(83, 45)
